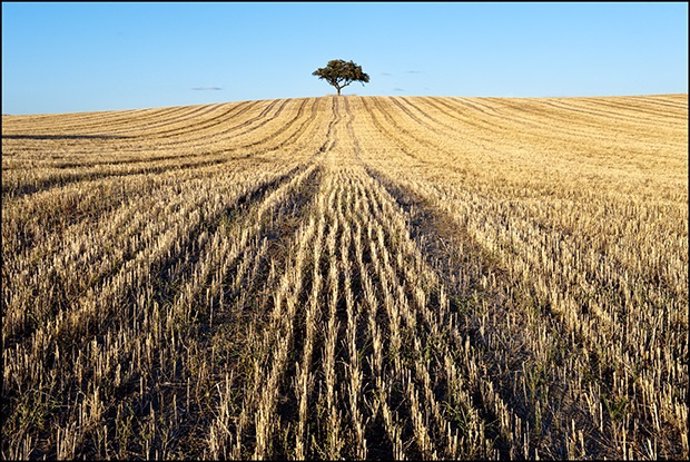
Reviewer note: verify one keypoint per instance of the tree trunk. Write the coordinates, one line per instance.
(338, 88)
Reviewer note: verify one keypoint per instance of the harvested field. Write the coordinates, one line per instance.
(348, 277)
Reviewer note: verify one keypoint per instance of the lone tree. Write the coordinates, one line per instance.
(341, 73)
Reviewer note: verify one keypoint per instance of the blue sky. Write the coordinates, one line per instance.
(70, 57)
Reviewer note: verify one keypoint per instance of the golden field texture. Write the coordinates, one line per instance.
(348, 277)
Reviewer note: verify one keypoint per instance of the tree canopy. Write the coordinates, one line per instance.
(341, 73)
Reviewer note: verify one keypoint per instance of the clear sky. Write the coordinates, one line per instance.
(69, 57)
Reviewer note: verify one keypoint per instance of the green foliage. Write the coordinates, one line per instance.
(340, 74)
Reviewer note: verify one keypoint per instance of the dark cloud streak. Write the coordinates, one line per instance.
(207, 88)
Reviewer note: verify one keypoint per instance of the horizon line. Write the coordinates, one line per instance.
(636, 95)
